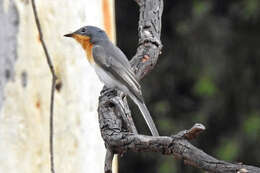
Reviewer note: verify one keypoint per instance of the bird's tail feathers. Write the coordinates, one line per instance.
(148, 119)
(146, 115)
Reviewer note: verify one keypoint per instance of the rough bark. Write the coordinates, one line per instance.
(117, 128)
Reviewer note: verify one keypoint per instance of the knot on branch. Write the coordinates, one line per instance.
(192, 133)
(242, 170)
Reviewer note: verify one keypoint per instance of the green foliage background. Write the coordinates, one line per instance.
(209, 72)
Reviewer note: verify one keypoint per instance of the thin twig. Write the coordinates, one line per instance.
(52, 86)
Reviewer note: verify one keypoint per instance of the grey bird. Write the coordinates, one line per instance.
(112, 67)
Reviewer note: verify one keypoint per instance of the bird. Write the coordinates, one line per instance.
(112, 67)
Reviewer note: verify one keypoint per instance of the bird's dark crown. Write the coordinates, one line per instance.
(94, 33)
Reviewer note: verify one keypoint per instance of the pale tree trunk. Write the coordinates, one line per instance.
(25, 83)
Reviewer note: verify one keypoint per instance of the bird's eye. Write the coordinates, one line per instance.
(83, 30)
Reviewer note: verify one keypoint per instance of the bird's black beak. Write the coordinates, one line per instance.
(69, 35)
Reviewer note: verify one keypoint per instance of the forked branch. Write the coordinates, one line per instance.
(117, 128)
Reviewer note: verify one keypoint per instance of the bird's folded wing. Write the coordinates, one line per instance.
(124, 75)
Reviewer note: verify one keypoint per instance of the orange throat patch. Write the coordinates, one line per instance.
(87, 46)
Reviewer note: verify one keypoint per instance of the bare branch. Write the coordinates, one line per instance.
(52, 85)
(177, 145)
(108, 161)
(149, 31)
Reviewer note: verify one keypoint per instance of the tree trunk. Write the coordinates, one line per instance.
(25, 83)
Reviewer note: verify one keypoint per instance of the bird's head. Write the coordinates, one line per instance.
(90, 34)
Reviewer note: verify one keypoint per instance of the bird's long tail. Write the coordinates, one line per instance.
(146, 115)
(148, 118)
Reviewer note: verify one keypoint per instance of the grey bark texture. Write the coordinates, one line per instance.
(116, 124)
(8, 32)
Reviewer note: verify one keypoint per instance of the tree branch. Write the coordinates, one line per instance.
(54, 78)
(116, 125)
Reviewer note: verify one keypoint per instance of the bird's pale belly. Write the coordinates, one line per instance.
(104, 77)
(108, 79)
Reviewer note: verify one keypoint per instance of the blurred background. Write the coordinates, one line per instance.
(208, 73)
